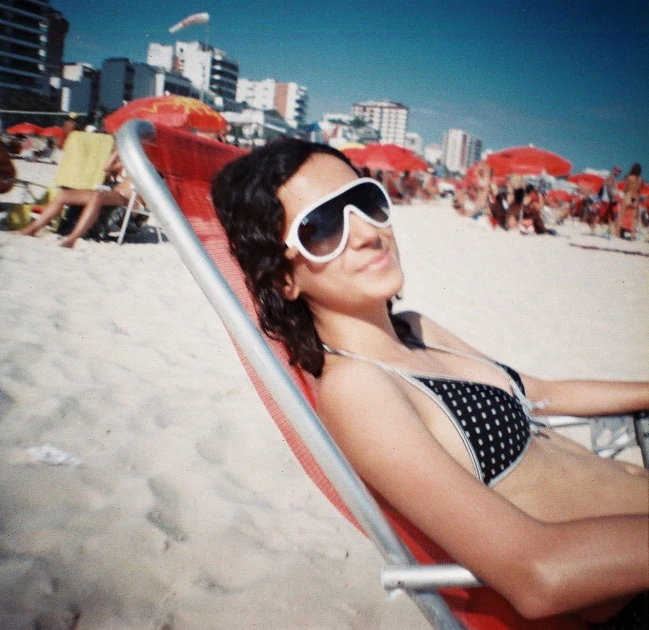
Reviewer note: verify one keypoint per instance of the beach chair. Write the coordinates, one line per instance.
(415, 564)
(81, 167)
(129, 211)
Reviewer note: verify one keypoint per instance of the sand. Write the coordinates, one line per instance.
(178, 505)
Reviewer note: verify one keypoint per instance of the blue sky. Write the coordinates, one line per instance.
(569, 76)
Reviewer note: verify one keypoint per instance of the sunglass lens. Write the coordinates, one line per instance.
(321, 230)
(372, 201)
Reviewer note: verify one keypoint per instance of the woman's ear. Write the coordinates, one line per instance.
(290, 290)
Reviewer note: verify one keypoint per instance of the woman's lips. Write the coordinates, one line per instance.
(379, 262)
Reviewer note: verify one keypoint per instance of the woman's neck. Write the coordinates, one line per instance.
(370, 334)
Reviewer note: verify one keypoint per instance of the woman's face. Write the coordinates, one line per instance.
(366, 272)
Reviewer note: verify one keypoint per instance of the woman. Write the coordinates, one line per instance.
(116, 192)
(418, 412)
(627, 219)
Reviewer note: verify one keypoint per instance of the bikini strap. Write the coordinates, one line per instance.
(527, 404)
(351, 355)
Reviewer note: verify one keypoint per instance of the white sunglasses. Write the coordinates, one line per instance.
(321, 230)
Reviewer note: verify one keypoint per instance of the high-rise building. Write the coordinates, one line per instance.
(291, 102)
(475, 150)
(460, 150)
(288, 99)
(57, 29)
(23, 45)
(209, 69)
(257, 94)
(388, 118)
(117, 80)
(79, 88)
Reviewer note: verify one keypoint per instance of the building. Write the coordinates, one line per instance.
(256, 94)
(57, 29)
(117, 80)
(291, 102)
(460, 150)
(123, 80)
(388, 118)
(455, 150)
(414, 143)
(23, 45)
(253, 127)
(209, 69)
(79, 88)
(475, 150)
(173, 83)
(288, 99)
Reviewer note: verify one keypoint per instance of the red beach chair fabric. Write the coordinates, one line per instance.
(188, 163)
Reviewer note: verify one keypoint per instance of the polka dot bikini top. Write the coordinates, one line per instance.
(494, 425)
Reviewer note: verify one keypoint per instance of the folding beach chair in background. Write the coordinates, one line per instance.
(81, 167)
(415, 564)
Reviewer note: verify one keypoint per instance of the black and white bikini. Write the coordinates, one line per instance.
(495, 425)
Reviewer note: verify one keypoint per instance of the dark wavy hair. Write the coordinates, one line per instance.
(245, 197)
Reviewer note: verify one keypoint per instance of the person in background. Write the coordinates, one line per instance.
(627, 218)
(69, 125)
(115, 192)
(608, 199)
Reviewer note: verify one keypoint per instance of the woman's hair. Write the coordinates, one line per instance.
(245, 197)
(636, 170)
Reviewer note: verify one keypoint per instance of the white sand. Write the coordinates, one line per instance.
(187, 511)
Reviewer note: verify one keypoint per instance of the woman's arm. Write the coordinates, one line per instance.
(587, 398)
(564, 397)
(541, 568)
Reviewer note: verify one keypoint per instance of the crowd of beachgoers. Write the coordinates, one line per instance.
(533, 204)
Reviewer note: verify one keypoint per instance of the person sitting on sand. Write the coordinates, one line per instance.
(627, 219)
(531, 212)
(448, 436)
(116, 192)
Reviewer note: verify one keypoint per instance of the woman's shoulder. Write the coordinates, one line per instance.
(358, 379)
(433, 333)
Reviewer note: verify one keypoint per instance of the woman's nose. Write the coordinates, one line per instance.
(360, 231)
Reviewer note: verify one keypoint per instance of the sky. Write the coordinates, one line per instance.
(569, 76)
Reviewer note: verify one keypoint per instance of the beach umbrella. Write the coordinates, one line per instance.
(52, 132)
(386, 157)
(557, 194)
(25, 129)
(181, 112)
(528, 161)
(588, 182)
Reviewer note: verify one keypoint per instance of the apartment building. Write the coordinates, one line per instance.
(24, 28)
(290, 100)
(460, 150)
(388, 118)
(209, 69)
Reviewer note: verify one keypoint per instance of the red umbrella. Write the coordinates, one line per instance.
(181, 112)
(52, 132)
(557, 194)
(25, 129)
(528, 161)
(386, 157)
(587, 181)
